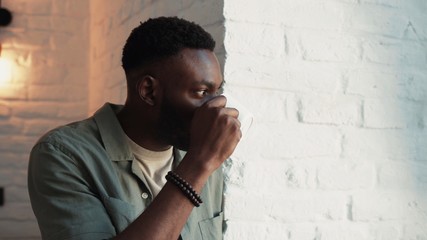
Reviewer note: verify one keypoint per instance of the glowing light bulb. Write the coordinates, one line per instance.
(5, 71)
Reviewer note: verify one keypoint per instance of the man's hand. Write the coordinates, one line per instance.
(215, 133)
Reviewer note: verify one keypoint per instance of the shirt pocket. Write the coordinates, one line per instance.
(211, 229)
(121, 213)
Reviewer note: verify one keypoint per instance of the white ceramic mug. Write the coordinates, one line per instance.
(245, 116)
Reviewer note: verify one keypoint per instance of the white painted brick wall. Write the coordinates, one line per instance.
(338, 89)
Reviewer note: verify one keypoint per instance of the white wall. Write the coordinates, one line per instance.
(338, 89)
(65, 57)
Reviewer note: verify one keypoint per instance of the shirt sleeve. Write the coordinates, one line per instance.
(62, 199)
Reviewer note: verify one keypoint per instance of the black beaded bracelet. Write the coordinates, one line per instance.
(185, 187)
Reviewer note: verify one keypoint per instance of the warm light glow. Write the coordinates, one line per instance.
(5, 71)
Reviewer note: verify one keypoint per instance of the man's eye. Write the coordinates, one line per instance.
(201, 93)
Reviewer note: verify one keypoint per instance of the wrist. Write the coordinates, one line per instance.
(195, 170)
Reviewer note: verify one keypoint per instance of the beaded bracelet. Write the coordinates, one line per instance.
(185, 187)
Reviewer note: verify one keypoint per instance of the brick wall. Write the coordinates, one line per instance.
(338, 90)
(47, 45)
(66, 63)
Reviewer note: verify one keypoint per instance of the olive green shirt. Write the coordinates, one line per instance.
(84, 183)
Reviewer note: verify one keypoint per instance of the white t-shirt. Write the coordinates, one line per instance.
(154, 165)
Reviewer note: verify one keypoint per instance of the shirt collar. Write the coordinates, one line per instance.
(112, 134)
(115, 139)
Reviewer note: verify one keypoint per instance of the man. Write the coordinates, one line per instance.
(104, 177)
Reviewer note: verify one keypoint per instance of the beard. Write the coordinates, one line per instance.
(173, 126)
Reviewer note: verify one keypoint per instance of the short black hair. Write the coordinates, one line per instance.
(162, 37)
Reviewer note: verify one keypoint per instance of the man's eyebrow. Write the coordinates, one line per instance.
(210, 84)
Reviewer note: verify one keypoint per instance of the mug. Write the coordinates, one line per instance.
(245, 116)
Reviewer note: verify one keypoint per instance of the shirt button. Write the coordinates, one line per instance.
(144, 195)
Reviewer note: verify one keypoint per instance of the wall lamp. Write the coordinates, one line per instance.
(5, 68)
(5, 16)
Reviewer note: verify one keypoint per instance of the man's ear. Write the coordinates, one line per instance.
(147, 88)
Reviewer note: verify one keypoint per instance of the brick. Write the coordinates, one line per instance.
(69, 24)
(11, 128)
(294, 206)
(13, 177)
(256, 230)
(65, 57)
(415, 230)
(78, 8)
(57, 93)
(388, 205)
(387, 85)
(42, 7)
(256, 71)
(282, 175)
(5, 111)
(343, 231)
(385, 231)
(292, 140)
(346, 175)
(40, 23)
(391, 114)
(394, 53)
(35, 109)
(50, 93)
(39, 127)
(303, 231)
(380, 20)
(13, 92)
(76, 76)
(253, 9)
(330, 48)
(402, 176)
(265, 105)
(330, 109)
(379, 144)
(59, 7)
(25, 230)
(266, 73)
(16, 194)
(314, 78)
(304, 206)
(11, 160)
(237, 39)
(387, 3)
(313, 15)
(73, 111)
(39, 40)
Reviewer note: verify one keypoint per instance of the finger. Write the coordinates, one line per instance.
(218, 101)
(232, 112)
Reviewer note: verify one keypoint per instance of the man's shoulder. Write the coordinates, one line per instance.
(71, 133)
